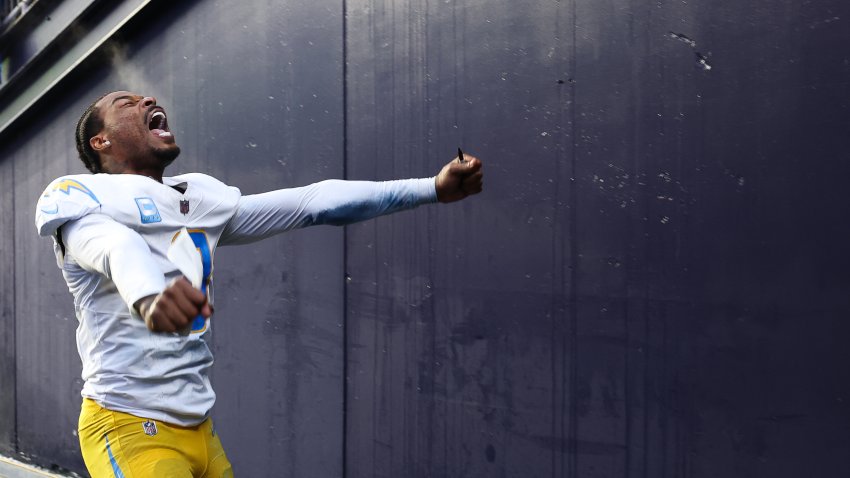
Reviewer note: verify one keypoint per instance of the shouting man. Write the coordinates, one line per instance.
(142, 326)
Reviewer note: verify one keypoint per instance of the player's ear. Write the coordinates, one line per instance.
(99, 143)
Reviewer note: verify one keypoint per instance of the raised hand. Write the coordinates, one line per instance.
(458, 180)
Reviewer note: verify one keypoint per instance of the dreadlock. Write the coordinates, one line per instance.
(90, 124)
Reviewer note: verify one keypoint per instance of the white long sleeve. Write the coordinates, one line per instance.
(98, 243)
(116, 230)
(333, 202)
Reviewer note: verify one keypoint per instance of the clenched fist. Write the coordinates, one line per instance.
(458, 180)
(175, 308)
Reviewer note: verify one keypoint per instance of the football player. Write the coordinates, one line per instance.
(142, 326)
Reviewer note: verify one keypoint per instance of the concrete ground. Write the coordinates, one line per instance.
(11, 468)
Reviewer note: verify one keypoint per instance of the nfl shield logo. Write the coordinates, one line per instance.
(150, 428)
(184, 206)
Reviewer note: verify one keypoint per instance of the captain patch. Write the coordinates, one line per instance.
(148, 210)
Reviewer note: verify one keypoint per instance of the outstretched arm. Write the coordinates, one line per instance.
(337, 202)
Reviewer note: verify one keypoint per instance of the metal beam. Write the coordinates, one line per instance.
(44, 81)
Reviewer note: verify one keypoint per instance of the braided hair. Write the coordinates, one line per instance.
(90, 124)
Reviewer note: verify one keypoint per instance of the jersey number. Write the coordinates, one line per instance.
(199, 237)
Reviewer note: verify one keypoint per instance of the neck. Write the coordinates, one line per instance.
(153, 172)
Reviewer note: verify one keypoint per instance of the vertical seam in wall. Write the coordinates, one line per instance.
(14, 319)
(560, 338)
(573, 431)
(344, 241)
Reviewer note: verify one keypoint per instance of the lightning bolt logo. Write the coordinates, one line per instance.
(66, 185)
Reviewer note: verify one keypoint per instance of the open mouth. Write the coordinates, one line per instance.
(158, 124)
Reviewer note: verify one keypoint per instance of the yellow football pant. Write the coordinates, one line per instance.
(118, 445)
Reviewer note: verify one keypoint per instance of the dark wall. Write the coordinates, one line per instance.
(250, 104)
(652, 284)
(7, 311)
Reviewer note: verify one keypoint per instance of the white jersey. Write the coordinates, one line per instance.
(111, 235)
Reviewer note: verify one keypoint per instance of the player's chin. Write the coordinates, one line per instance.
(167, 153)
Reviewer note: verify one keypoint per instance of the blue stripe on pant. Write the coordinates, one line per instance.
(115, 468)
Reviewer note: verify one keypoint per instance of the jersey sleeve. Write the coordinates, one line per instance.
(65, 199)
(333, 202)
(98, 243)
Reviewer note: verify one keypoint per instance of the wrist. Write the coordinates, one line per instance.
(143, 305)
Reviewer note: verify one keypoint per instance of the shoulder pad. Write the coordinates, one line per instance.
(65, 199)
